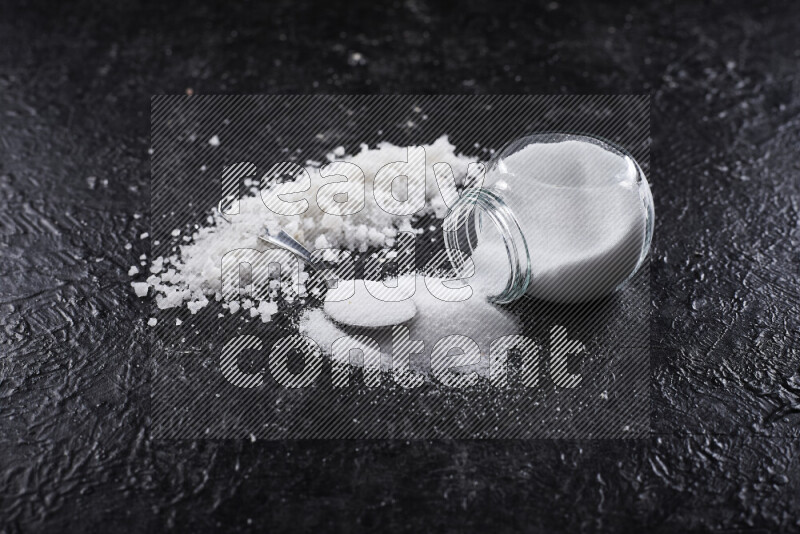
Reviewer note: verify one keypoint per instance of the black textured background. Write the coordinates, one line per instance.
(75, 86)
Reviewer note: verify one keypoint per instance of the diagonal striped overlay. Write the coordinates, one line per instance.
(219, 376)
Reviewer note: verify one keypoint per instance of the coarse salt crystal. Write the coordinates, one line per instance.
(196, 305)
(141, 288)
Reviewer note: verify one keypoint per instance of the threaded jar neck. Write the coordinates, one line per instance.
(467, 224)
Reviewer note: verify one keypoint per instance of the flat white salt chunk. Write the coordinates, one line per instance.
(133, 270)
(140, 288)
(364, 310)
(152, 321)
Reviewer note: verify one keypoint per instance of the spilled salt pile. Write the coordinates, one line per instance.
(436, 318)
(492, 267)
(577, 208)
(192, 276)
(315, 324)
(476, 318)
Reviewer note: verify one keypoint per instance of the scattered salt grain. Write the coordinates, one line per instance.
(152, 321)
(214, 141)
(133, 271)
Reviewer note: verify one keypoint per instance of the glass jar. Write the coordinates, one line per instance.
(560, 217)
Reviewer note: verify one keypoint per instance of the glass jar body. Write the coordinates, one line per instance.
(572, 214)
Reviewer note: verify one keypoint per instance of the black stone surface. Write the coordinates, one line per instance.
(75, 85)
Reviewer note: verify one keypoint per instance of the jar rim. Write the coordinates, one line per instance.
(470, 209)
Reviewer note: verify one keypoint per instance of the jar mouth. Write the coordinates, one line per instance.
(465, 225)
(646, 196)
(545, 138)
